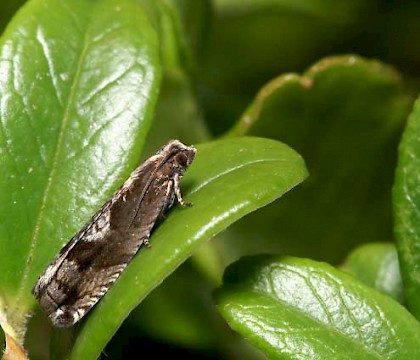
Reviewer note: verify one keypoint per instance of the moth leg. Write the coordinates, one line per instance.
(177, 189)
(147, 243)
(124, 193)
(66, 316)
(143, 241)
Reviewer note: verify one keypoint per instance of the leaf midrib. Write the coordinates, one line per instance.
(329, 327)
(58, 151)
(233, 169)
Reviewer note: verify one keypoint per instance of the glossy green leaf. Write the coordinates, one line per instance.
(406, 197)
(345, 116)
(79, 81)
(377, 265)
(227, 180)
(295, 308)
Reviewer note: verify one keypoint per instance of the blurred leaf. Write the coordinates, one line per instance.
(79, 80)
(167, 23)
(7, 10)
(180, 311)
(393, 32)
(183, 27)
(345, 116)
(329, 9)
(377, 266)
(178, 114)
(228, 179)
(295, 308)
(406, 197)
(195, 18)
(253, 41)
(207, 260)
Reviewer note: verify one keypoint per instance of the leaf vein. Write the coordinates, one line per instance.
(53, 172)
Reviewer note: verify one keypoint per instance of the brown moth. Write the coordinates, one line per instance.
(94, 258)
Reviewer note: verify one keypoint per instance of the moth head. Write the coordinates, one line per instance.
(185, 157)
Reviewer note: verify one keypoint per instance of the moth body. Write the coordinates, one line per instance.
(94, 258)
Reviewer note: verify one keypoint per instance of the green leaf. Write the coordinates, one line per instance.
(79, 81)
(345, 116)
(227, 180)
(183, 27)
(406, 197)
(328, 9)
(165, 313)
(377, 266)
(295, 308)
(7, 10)
(195, 19)
(178, 114)
(254, 41)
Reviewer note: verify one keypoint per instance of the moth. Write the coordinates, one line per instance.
(83, 271)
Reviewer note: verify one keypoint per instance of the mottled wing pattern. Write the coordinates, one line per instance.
(102, 261)
(94, 258)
